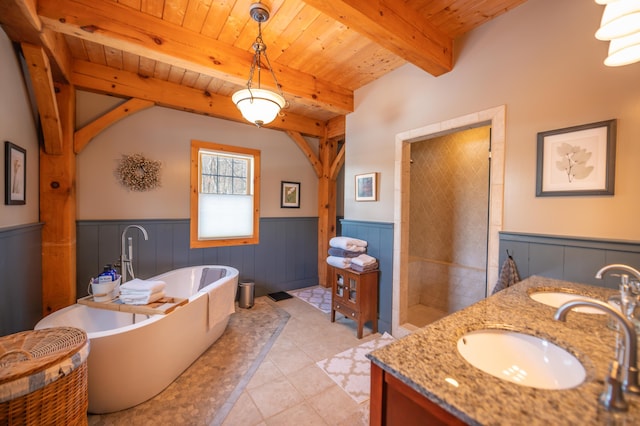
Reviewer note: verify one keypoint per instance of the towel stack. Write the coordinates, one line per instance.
(141, 292)
(347, 252)
(363, 263)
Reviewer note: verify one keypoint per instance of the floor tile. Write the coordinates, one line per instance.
(301, 414)
(274, 397)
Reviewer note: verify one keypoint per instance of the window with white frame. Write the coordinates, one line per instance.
(225, 186)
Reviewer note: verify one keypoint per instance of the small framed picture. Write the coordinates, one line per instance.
(367, 187)
(15, 174)
(577, 160)
(290, 195)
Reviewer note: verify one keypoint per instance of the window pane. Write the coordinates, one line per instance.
(223, 196)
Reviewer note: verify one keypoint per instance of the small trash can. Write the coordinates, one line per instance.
(247, 291)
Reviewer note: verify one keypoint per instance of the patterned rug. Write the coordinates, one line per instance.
(351, 370)
(316, 296)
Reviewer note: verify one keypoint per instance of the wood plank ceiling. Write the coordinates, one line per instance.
(193, 54)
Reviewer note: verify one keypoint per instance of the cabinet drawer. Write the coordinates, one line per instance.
(345, 310)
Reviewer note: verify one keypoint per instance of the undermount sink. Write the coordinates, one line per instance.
(521, 358)
(558, 298)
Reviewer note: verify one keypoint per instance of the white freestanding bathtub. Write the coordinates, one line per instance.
(133, 357)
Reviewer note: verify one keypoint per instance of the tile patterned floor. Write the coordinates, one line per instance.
(270, 376)
(289, 388)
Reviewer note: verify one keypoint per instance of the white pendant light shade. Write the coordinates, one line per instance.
(620, 18)
(603, 2)
(624, 50)
(258, 106)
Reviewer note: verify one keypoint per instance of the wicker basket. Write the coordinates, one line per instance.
(43, 377)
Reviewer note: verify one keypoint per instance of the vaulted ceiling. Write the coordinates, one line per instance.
(193, 54)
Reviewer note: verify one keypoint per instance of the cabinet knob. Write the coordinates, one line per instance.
(337, 306)
(353, 314)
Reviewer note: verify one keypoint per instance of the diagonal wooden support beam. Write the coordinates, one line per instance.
(83, 136)
(395, 26)
(42, 81)
(304, 146)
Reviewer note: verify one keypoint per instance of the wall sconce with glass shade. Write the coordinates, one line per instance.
(259, 106)
(620, 25)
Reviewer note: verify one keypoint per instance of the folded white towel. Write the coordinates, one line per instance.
(137, 284)
(339, 262)
(142, 299)
(364, 260)
(348, 243)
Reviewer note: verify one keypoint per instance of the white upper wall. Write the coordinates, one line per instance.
(165, 135)
(542, 61)
(17, 126)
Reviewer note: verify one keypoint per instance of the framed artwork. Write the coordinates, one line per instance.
(15, 174)
(577, 160)
(290, 195)
(367, 187)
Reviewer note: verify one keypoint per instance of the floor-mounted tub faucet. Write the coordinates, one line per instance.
(630, 356)
(126, 264)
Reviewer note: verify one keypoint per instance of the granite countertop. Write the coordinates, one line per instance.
(424, 359)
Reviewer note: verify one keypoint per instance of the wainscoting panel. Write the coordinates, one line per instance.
(285, 259)
(568, 258)
(379, 237)
(20, 278)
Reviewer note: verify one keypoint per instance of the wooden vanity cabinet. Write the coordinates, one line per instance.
(355, 295)
(394, 403)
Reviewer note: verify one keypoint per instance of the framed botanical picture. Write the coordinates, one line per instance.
(290, 195)
(15, 174)
(367, 187)
(577, 160)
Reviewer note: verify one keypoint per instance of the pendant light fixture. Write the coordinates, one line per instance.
(259, 106)
(620, 25)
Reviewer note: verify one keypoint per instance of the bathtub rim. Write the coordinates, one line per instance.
(152, 318)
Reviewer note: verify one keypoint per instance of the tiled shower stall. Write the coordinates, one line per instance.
(448, 225)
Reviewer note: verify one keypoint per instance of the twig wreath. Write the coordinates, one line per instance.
(138, 173)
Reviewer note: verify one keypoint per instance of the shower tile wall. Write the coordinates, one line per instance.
(448, 220)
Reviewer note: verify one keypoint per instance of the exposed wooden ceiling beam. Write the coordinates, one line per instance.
(42, 81)
(102, 79)
(336, 127)
(21, 23)
(111, 24)
(395, 26)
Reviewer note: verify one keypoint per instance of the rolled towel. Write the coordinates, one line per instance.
(141, 299)
(137, 284)
(334, 251)
(348, 243)
(363, 260)
(339, 262)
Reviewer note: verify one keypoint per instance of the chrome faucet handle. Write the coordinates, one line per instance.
(612, 397)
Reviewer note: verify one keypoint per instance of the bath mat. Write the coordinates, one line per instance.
(279, 295)
(205, 393)
(317, 296)
(351, 370)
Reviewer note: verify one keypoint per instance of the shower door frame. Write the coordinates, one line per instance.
(496, 119)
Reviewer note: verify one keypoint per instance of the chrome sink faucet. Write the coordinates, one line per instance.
(126, 264)
(620, 267)
(630, 356)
